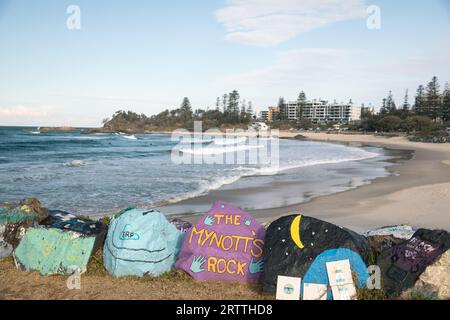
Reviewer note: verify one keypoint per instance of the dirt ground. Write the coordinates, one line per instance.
(96, 284)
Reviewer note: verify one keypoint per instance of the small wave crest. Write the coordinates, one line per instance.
(131, 137)
(218, 150)
(229, 141)
(75, 163)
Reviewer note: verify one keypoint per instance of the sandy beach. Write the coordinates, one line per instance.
(419, 193)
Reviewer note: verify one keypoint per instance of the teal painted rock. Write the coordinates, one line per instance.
(141, 242)
(53, 251)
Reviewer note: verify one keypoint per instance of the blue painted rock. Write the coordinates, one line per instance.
(317, 272)
(293, 243)
(141, 242)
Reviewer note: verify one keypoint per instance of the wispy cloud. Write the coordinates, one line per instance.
(24, 111)
(40, 116)
(340, 74)
(270, 22)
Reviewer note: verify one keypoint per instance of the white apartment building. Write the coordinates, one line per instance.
(320, 111)
(291, 110)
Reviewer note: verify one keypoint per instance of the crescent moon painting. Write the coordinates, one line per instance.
(295, 231)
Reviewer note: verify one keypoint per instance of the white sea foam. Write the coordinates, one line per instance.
(130, 137)
(75, 163)
(217, 150)
(229, 141)
(195, 140)
(272, 170)
(203, 189)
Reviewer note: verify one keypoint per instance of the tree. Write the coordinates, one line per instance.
(186, 110)
(218, 103)
(250, 109)
(301, 104)
(433, 100)
(383, 109)
(417, 123)
(419, 101)
(390, 123)
(282, 113)
(243, 114)
(405, 106)
(390, 103)
(233, 103)
(445, 110)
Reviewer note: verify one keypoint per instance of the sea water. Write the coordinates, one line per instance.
(102, 173)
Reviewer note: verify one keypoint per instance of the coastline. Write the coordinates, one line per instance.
(416, 193)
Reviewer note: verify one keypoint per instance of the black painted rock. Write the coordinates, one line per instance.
(402, 265)
(293, 242)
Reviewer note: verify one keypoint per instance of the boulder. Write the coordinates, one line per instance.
(141, 242)
(53, 251)
(402, 265)
(317, 272)
(226, 244)
(293, 243)
(434, 282)
(379, 244)
(15, 219)
(402, 231)
(68, 222)
(181, 225)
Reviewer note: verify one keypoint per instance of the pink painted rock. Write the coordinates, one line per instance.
(226, 244)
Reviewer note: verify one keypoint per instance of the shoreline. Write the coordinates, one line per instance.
(419, 193)
(416, 193)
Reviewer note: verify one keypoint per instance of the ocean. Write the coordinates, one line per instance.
(98, 174)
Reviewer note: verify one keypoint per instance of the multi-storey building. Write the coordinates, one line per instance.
(270, 114)
(320, 111)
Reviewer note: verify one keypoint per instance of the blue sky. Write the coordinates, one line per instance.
(147, 55)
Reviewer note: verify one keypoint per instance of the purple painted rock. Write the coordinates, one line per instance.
(226, 244)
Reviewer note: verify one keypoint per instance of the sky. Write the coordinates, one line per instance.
(146, 56)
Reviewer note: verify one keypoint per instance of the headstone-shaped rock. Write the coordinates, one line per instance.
(226, 244)
(294, 242)
(141, 242)
(402, 265)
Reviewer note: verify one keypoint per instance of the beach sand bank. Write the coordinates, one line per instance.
(419, 193)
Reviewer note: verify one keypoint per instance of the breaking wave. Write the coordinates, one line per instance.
(218, 150)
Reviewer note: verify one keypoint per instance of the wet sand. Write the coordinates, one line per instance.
(418, 192)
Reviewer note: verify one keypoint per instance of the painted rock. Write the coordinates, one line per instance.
(294, 242)
(226, 244)
(141, 242)
(402, 265)
(53, 251)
